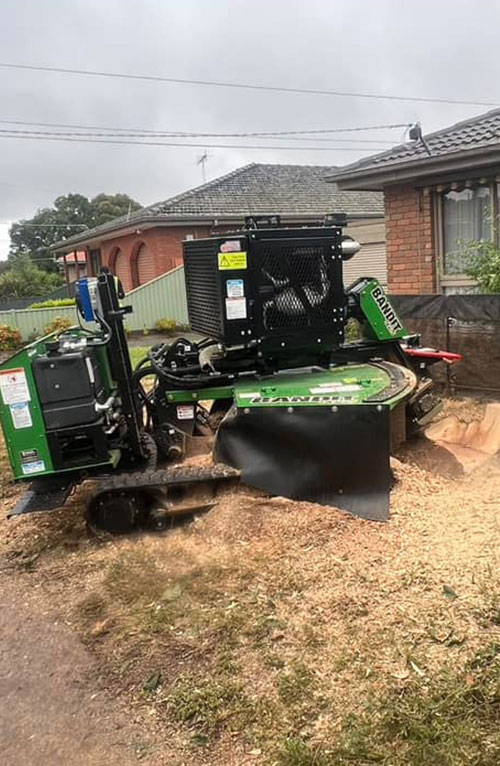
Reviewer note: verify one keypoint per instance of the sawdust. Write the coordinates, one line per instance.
(263, 588)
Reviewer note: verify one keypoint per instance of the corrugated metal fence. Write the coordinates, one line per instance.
(163, 298)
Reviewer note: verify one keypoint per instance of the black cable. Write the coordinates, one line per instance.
(244, 86)
(102, 322)
(62, 138)
(9, 133)
(193, 134)
(137, 385)
(188, 381)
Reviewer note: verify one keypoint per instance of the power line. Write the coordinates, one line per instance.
(147, 135)
(81, 139)
(244, 86)
(48, 225)
(190, 134)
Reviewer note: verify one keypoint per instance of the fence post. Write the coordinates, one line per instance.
(451, 377)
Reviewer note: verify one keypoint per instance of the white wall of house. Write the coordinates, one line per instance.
(371, 261)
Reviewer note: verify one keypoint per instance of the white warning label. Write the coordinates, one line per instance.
(236, 308)
(21, 415)
(185, 412)
(14, 386)
(334, 388)
(36, 466)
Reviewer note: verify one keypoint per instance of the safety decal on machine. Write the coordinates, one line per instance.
(235, 288)
(14, 386)
(231, 261)
(335, 388)
(185, 412)
(29, 455)
(236, 308)
(231, 246)
(37, 466)
(21, 415)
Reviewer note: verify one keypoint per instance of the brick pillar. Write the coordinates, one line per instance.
(411, 257)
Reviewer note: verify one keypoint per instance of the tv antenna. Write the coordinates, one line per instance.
(203, 161)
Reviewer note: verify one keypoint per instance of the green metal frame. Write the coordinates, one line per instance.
(344, 385)
(382, 320)
(32, 439)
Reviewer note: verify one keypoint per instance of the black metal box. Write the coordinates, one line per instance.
(68, 386)
(267, 286)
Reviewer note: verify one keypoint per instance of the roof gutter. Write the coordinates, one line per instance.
(375, 179)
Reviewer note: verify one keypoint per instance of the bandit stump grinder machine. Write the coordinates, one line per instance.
(289, 406)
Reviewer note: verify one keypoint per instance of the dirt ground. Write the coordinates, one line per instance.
(265, 632)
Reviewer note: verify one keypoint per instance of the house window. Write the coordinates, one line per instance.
(95, 261)
(466, 216)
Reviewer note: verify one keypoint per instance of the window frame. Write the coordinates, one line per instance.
(444, 281)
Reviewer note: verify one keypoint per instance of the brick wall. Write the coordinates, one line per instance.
(411, 258)
(164, 245)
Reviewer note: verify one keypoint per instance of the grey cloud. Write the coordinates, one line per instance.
(434, 49)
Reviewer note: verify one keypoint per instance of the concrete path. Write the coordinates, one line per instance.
(53, 708)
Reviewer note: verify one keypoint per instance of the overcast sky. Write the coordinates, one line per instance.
(441, 49)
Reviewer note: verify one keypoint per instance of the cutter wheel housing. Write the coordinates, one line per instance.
(270, 386)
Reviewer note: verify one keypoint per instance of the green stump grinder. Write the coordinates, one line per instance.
(289, 406)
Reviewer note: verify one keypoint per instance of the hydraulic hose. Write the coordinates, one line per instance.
(178, 379)
(189, 381)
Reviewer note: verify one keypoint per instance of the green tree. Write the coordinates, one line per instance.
(483, 265)
(482, 259)
(69, 215)
(25, 278)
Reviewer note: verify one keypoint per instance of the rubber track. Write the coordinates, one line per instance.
(173, 476)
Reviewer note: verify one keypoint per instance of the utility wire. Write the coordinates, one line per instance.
(22, 133)
(189, 134)
(81, 139)
(243, 86)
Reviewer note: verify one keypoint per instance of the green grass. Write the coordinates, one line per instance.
(208, 704)
(450, 720)
(243, 673)
(137, 353)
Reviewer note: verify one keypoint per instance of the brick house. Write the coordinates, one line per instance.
(147, 243)
(74, 265)
(440, 191)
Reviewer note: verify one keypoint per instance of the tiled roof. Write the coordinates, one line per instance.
(81, 257)
(480, 132)
(289, 190)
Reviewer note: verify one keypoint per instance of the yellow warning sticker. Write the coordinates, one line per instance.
(232, 261)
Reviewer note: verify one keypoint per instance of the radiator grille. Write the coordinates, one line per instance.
(302, 289)
(203, 288)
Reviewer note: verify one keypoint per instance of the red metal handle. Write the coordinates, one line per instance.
(445, 356)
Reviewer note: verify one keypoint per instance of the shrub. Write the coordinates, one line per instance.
(166, 325)
(58, 325)
(55, 304)
(25, 278)
(10, 338)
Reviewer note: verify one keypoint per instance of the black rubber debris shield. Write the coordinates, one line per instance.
(337, 457)
(34, 502)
